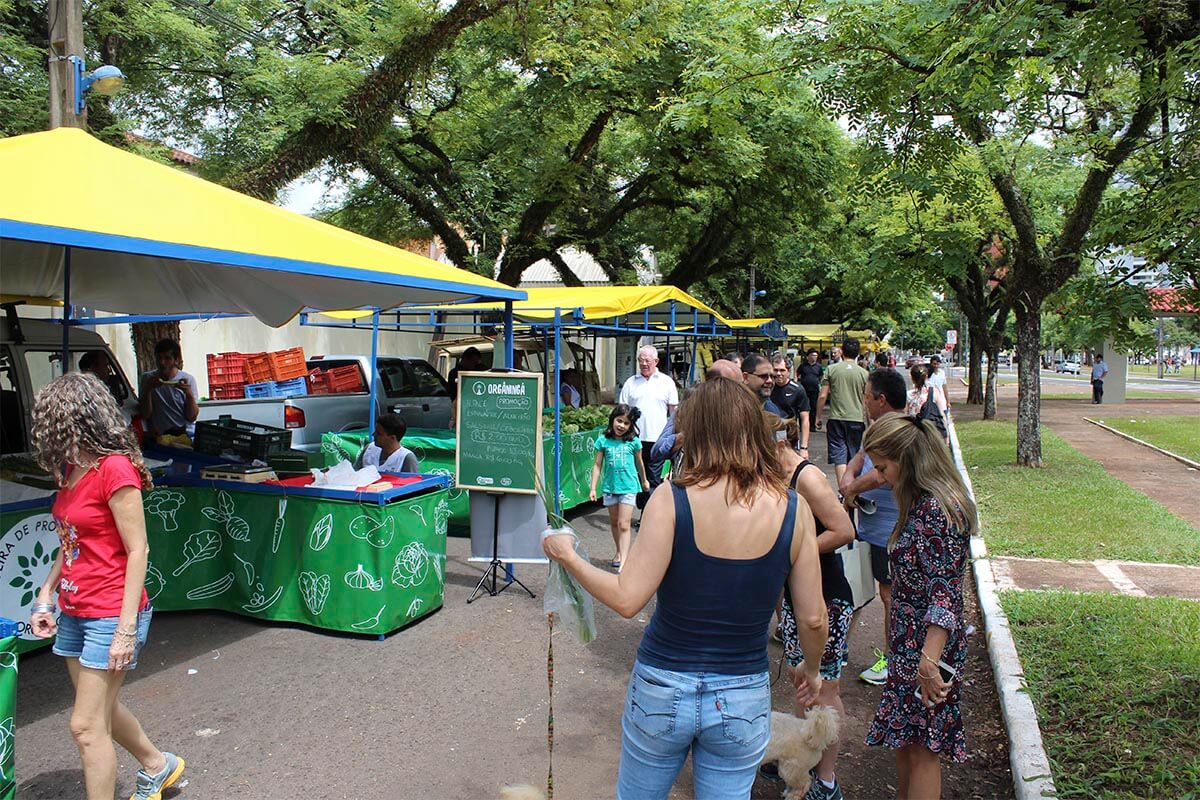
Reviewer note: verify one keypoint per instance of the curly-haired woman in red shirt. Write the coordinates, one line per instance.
(81, 438)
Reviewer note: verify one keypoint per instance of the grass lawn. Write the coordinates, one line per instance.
(1116, 684)
(1070, 509)
(1151, 371)
(1132, 394)
(1180, 435)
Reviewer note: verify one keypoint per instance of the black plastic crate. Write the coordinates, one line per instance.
(248, 439)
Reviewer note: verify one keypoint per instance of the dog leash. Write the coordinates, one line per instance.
(550, 719)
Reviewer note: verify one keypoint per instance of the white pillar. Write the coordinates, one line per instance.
(1118, 370)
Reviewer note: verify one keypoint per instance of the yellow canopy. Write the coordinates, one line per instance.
(150, 239)
(597, 303)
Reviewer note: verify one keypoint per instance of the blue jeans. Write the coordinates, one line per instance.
(724, 720)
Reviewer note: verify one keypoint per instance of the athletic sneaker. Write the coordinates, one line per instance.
(150, 787)
(819, 791)
(877, 673)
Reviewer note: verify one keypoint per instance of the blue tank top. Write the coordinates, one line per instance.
(712, 613)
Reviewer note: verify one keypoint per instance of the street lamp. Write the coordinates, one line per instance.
(107, 80)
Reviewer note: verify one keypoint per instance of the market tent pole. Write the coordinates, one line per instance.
(508, 334)
(374, 368)
(66, 319)
(557, 413)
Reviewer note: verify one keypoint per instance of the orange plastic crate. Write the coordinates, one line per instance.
(345, 379)
(287, 364)
(318, 382)
(258, 368)
(229, 391)
(226, 368)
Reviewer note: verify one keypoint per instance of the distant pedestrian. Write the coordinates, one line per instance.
(654, 395)
(1099, 372)
(81, 438)
(926, 401)
(664, 448)
(790, 398)
(759, 376)
(842, 387)
(882, 360)
(810, 372)
(835, 355)
(735, 357)
(937, 378)
(619, 463)
(919, 714)
(717, 545)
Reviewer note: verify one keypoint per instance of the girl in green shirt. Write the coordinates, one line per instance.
(619, 462)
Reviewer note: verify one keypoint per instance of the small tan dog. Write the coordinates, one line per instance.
(797, 743)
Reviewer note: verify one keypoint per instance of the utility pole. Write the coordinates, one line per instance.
(66, 39)
(751, 316)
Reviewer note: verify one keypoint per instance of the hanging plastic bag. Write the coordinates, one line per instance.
(565, 597)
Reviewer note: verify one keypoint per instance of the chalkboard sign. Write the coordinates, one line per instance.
(499, 431)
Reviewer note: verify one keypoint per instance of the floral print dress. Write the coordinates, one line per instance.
(928, 564)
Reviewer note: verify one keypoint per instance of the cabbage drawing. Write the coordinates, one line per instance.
(412, 566)
(163, 503)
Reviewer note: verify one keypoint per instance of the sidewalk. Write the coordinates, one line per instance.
(1132, 578)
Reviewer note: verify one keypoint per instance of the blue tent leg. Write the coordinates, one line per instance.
(66, 320)
(374, 369)
(508, 334)
(557, 413)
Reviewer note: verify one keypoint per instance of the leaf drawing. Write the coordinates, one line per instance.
(226, 502)
(6, 747)
(314, 589)
(321, 533)
(420, 512)
(414, 607)
(367, 624)
(236, 527)
(377, 534)
(154, 582)
(200, 546)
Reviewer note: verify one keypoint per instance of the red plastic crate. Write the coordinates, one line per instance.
(258, 368)
(226, 368)
(287, 364)
(345, 379)
(318, 382)
(229, 391)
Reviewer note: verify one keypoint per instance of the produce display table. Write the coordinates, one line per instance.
(434, 449)
(348, 561)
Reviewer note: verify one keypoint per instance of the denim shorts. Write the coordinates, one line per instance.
(845, 440)
(89, 639)
(619, 499)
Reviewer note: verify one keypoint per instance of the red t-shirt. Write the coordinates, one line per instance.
(94, 558)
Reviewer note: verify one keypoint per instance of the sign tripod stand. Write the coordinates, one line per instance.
(496, 564)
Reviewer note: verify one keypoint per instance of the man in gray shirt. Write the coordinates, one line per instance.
(167, 395)
(1099, 371)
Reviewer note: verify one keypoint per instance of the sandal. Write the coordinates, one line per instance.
(615, 565)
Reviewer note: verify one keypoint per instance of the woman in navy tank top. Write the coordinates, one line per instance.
(717, 545)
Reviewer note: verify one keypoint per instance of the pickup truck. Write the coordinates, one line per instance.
(409, 387)
(31, 357)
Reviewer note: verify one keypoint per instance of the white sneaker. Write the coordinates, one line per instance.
(877, 673)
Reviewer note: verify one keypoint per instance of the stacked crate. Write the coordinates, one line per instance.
(227, 376)
(337, 380)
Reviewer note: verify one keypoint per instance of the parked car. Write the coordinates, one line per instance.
(31, 357)
(1069, 365)
(409, 387)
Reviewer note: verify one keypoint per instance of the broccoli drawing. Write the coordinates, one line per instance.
(164, 503)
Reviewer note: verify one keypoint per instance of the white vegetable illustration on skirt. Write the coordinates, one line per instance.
(367, 624)
(375, 533)
(236, 527)
(321, 533)
(200, 546)
(154, 582)
(441, 517)
(314, 589)
(412, 566)
(361, 579)
(211, 590)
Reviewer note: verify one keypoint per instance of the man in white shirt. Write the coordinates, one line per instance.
(937, 378)
(655, 395)
(386, 453)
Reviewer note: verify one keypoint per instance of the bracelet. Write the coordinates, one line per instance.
(132, 634)
(43, 608)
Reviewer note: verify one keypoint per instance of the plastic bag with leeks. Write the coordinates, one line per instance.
(564, 596)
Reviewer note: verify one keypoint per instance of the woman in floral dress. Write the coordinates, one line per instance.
(918, 714)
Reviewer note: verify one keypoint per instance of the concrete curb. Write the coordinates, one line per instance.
(1187, 462)
(1032, 777)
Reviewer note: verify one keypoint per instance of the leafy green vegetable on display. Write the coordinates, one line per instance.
(577, 420)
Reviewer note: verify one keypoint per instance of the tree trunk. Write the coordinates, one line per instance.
(979, 338)
(145, 335)
(989, 392)
(1029, 393)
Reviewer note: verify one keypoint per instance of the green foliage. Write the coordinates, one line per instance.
(1116, 684)
(1094, 311)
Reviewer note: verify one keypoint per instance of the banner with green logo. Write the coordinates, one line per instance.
(28, 548)
(345, 566)
(434, 449)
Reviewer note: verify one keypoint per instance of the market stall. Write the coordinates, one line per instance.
(630, 312)
(172, 245)
(435, 454)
